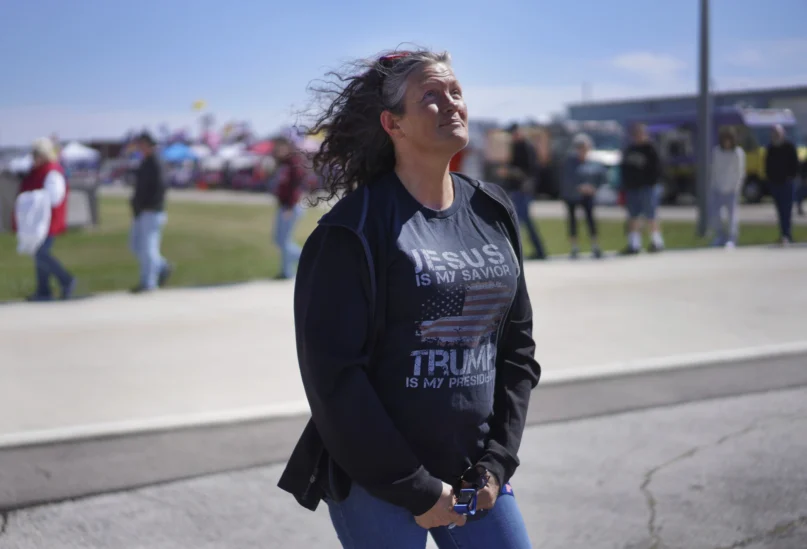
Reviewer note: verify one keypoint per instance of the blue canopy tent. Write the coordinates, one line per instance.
(178, 152)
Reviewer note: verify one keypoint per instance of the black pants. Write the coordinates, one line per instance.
(782, 194)
(587, 203)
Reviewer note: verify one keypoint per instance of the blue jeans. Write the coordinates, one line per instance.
(284, 238)
(145, 237)
(782, 194)
(46, 266)
(521, 202)
(365, 522)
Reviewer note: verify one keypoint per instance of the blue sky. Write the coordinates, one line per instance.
(96, 68)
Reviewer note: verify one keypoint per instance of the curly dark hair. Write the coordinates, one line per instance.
(347, 109)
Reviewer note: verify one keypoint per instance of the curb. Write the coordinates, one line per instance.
(300, 408)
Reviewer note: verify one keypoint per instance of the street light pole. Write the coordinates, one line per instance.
(704, 121)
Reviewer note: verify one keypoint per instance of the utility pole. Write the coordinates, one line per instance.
(704, 122)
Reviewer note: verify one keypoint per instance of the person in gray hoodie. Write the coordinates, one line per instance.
(725, 183)
(580, 181)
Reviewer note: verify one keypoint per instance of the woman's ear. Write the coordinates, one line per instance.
(390, 124)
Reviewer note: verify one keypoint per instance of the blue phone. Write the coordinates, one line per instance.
(466, 502)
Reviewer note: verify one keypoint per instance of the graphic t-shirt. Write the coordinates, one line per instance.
(640, 166)
(451, 280)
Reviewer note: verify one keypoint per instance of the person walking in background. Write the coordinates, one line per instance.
(519, 181)
(413, 322)
(290, 179)
(725, 183)
(48, 175)
(641, 169)
(782, 169)
(580, 182)
(149, 218)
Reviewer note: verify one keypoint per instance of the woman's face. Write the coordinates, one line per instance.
(435, 116)
(582, 152)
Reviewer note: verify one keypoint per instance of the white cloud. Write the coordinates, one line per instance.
(506, 103)
(769, 54)
(519, 102)
(746, 58)
(760, 82)
(654, 67)
(656, 74)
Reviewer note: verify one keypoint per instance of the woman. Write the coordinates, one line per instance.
(728, 175)
(48, 175)
(149, 218)
(291, 176)
(413, 323)
(581, 179)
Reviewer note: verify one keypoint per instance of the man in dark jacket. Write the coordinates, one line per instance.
(782, 169)
(519, 182)
(148, 210)
(640, 169)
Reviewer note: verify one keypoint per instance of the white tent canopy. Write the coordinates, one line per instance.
(229, 152)
(21, 164)
(201, 151)
(76, 152)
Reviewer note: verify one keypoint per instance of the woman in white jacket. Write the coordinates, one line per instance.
(726, 181)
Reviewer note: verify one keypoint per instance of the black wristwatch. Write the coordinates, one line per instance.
(476, 476)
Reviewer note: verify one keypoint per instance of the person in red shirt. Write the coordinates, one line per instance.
(47, 174)
(291, 178)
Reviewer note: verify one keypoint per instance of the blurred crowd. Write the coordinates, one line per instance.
(525, 164)
(582, 174)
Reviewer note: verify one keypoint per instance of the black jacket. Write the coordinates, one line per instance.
(641, 166)
(781, 162)
(522, 168)
(149, 193)
(339, 308)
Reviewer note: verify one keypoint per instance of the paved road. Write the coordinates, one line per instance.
(749, 213)
(718, 474)
(229, 350)
(44, 473)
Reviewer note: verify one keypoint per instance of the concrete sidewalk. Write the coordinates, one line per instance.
(749, 213)
(119, 362)
(718, 474)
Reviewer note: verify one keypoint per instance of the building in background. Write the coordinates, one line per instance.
(794, 98)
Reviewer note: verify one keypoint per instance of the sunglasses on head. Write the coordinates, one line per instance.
(387, 61)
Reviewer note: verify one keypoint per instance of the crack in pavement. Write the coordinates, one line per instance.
(4, 521)
(652, 528)
(779, 531)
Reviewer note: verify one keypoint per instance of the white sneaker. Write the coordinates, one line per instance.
(729, 245)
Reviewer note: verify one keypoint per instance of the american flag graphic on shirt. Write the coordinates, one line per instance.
(464, 315)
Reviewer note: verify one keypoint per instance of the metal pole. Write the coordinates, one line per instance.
(704, 121)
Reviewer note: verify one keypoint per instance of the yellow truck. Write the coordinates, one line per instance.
(675, 135)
